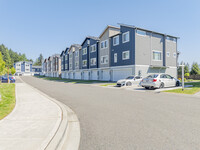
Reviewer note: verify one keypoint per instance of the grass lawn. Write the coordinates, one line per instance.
(7, 102)
(190, 90)
(108, 84)
(72, 80)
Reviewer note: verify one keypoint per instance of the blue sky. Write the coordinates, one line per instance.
(48, 26)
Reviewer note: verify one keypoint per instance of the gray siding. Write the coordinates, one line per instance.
(106, 51)
(171, 47)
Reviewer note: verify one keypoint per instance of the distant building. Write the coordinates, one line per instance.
(37, 69)
(23, 68)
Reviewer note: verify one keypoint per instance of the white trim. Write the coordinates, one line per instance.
(94, 59)
(94, 45)
(128, 55)
(84, 65)
(160, 56)
(104, 44)
(118, 40)
(106, 56)
(84, 49)
(128, 37)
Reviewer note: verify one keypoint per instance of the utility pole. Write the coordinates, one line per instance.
(182, 76)
(8, 76)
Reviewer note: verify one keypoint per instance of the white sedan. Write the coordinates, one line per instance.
(159, 81)
(130, 80)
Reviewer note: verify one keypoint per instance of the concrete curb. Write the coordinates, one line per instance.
(67, 136)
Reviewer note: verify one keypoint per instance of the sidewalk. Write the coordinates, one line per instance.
(33, 122)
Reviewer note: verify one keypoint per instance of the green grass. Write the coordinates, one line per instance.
(71, 80)
(190, 90)
(7, 102)
(108, 84)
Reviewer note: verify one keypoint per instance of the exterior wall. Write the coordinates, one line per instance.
(93, 54)
(106, 51)
(171, 47)
(23, 67)
(70, 60)
(76, 59)
(66, 61)
(121, 47)
(85, 56)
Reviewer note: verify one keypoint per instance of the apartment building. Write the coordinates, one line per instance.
(23, 68)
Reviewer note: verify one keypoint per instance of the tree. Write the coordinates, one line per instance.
(2, 65)
(38, 61)
(6, 56)
(13, 70)
(186, 68)
(195, 69)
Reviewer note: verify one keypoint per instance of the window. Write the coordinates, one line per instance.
(66, 58)
(168, 54)
(93, 61)
(116, 40)
(27, 65)
(76, 64)
(84, 51)
(84, 63)
(174, 55)
(125, 55)
(115, 57)
(93, 48)
(104, 59)
(70, 65)
(140, 32)
(70, 56)
(66, 67)
(104, 44)
(157, 56)
(76, 53)
(125, 37)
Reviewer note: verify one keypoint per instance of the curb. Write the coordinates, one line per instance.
(67, 136)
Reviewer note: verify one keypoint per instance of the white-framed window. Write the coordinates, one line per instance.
(84, 63)
(174, 55)
(104, 59)
(125, 37)
(93, 48)
(141, 32)
(125, 55)
(70, 56)
(66, 58)
(76, 53)
(84, 51)
(116, 40)
(70, 65)
(115, 57)
(93, 61)
(104, 44)
(66, 67)
(76, 64)
(27, 65)
(168, 54)
(157, 55)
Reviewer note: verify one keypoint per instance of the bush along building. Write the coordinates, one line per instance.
(119, 52)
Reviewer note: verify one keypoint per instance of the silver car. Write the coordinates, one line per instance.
(130, 80)
(159, 81)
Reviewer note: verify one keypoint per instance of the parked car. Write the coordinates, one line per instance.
(130, 80)
(4, 79)
(159, 81)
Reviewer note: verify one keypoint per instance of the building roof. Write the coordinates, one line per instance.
(107, 27)
(131, 26)
(62, 53)
(36, 67)
(29, 62)
(90, 37)
(75, 45)
(66, 50)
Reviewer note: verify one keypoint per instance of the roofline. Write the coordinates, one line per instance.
(108, 26)
(88, 37)
(147, 30)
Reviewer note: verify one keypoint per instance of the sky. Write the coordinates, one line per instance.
(49, 26)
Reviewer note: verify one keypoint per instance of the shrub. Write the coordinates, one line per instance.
(187, 74)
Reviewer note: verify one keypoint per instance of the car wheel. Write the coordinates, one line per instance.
(128, 84)
(162, 85)
(146, 88)
(177, 83)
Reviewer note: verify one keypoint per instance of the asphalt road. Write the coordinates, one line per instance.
(114, 119)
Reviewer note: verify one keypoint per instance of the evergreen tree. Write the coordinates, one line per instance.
(195, 69)
(2, 64)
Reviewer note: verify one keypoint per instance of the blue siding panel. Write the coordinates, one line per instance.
(123, 47)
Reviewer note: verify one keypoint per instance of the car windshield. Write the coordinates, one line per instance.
(153, 76)
(130, 77)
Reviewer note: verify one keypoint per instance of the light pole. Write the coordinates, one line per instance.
(182, 76)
